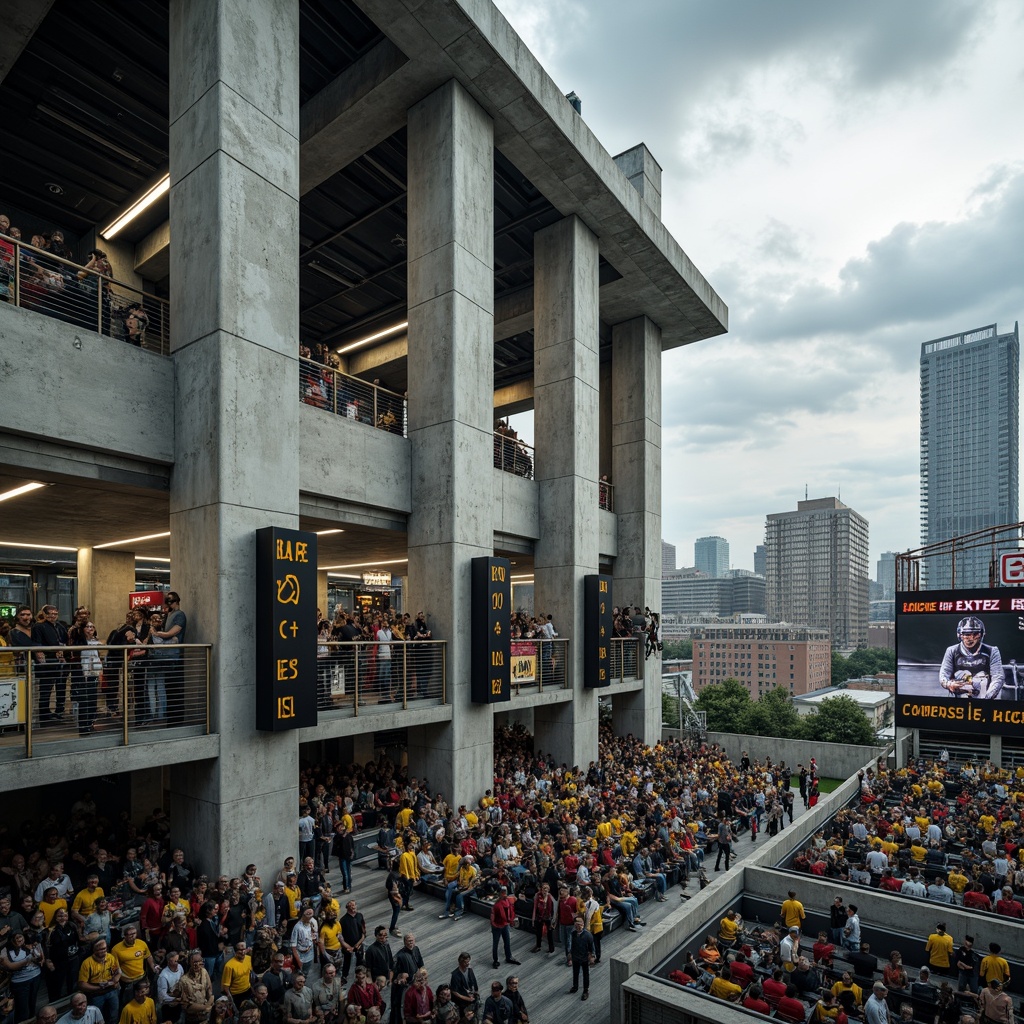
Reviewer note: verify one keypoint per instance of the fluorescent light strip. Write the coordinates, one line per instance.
(16, 492)
(324, 533)
(362, 565)
(526, 576)
(373, 337)
(133, 540)
(150, 558)
(144, 203)
(344, 576)
(38, 547)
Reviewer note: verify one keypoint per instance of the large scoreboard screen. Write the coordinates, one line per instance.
(960, 660)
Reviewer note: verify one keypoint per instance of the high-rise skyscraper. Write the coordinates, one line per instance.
(886, 575)
(969, 420)
(668, 558)
(817, 569)
(759, 559)
(711, 555)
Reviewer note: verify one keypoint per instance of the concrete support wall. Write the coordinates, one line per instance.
(835, 760)
(636, 474)
(105, 579)
(451, 386)
(566, 428)
(234, 156)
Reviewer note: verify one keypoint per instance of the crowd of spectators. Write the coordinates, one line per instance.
(324, 386)
(51, 282)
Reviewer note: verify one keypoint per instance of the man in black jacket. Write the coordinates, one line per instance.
(379, 959)
(49, 667)
(465, 991)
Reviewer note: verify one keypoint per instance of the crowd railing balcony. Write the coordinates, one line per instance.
(606, 495)
(35, 279)
(363, 677)
(539, 665)
(324, 387)
(54, 700)
(626, 654)
(512, 455)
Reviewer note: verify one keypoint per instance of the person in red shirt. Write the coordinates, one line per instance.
(823, 950)
(975, 898)
(790, 1008)
(543, 913)
(151, 916)
(774, 988)
(889, 882)
(503, 913)
(1008, 906)
(742, 971)
(753, 1001)
(567, 908)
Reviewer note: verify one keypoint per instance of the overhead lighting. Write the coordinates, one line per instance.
(144, 203)
(524, 579)
(38, 547)
(344, 576)
(332, 274)
(133, 540)
(150, 558)
(387, 332)
(324, 533)
(16, 492)
(363, 565)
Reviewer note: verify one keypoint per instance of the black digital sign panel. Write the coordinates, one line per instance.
(960, 661)
(597, 630)
(491, 655)
(285, 629)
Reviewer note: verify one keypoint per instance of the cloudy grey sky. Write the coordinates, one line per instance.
(850, 178)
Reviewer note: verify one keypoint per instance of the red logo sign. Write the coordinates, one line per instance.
(1011, 567)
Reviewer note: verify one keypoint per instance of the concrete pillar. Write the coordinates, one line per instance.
(321, 596)
(451, 387)
(636, 474)
(362, 748)
(995, 750)
(234, 157)
(105, 579)
(566, 369)
(644, 174)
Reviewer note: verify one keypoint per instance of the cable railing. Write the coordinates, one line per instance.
(363, 677)
(606, 495)
(539, 665)
(54, 699)
(512, 455)
(38, 280)
(626, 654)
(323, 387)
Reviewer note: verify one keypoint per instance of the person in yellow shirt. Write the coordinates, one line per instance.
(629, 843)
(329, 903)
(329, 939)
(987, 822)
(140, 1009)
(236, 979)
(409, 871)
(917, 851)
(404, 817)
(728, 929)
(99, 977)
(51, 904)
(472, 820)
(133, 957)
(993, 967)
(294, 895)
(604, 830)
(348, 821)
(451, 867)
(793, 911)
(85, 901)
(957, 881)
(889, 848)
(939, 948)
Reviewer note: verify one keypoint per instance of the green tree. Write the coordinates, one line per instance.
(772, 714)
(677, 649)
(840, 669)
(725, 704)
(839, 720)
(669, 711)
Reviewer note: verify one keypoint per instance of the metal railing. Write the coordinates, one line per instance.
(355, 678)
(626, 654)
(606, 495)
(539, 665)
(323, 387)
(94, 697)
(38, 280)
(512, 455)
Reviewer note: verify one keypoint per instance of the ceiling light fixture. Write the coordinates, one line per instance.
(363, 565)
(332, 274)
(150, 558)
(324, 533)
(144, 202)
(16, 492)
(38, 547)
(373, 337)
(132, 540)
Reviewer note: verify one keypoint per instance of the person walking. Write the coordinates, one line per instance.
(503, 913)
(581, 955)
(724, 841)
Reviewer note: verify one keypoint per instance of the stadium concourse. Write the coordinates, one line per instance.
(540, 823)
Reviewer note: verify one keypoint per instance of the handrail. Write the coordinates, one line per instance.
(354, 678)
(61, 288)
(627, 657)
(56, 701)
(512, 455)
(539, 665)
(606, 495)
(326, 388)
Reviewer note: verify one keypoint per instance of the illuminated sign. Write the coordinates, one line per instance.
(146, 599)
(1011, 568)
(960, 661)
(8, 611)
(491, 656)
(376, 579)
(285, 629)
(597, 630)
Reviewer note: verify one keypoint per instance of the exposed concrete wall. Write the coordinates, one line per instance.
(515, 505)
(607, 534)
(835, 760)
(105, 579)
(99, 389)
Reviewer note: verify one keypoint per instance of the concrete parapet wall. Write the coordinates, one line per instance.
(835, 760)
(516, 510)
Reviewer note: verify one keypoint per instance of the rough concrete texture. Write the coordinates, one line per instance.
(105, 579)
(566, 366)
(47, 365)
(451, 385)
(643, 172)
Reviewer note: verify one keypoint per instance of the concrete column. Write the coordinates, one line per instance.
(995, 750)
(105, 579)
(566, 429)
(451, 388)
(321, 596)
(234, 156)
(636, 475)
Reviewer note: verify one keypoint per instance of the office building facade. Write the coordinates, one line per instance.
(668, 558)
(711, 556)
(817, 569)
(969, 447)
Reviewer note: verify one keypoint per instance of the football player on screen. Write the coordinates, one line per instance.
(971, 668)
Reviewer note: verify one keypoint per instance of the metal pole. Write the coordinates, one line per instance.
(405, 679)
(355, 682)
(444, 672)
(28, 704)
(209, 653)
(124, 698)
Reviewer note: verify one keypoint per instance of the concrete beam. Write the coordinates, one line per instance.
(513, 398)
(153, 254)
(21, 20)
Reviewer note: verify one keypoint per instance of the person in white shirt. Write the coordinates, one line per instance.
(81, 1012)
(384, 637)
(166, 982)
